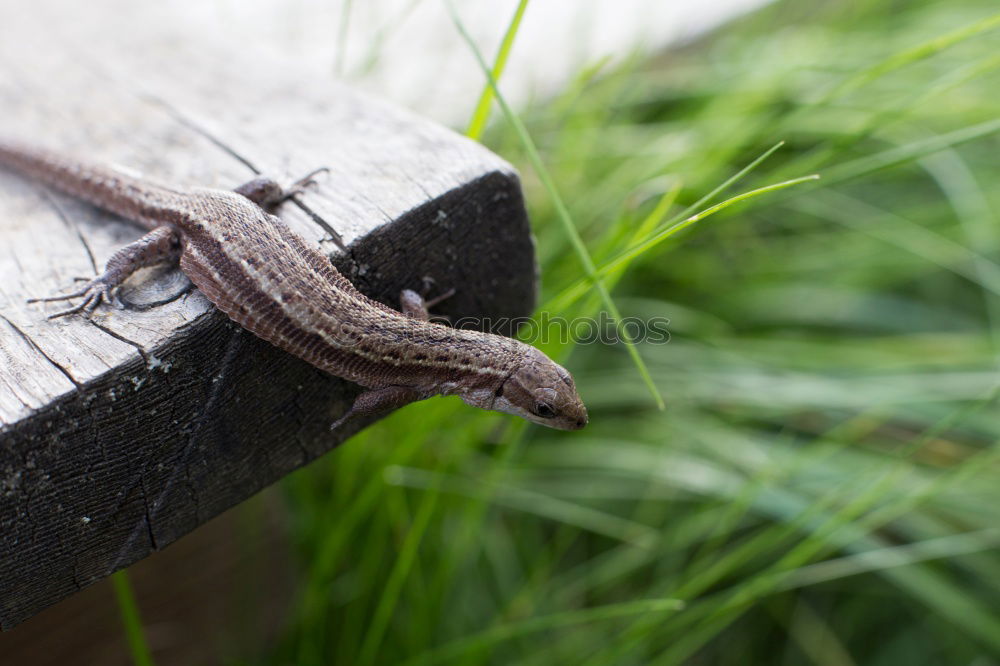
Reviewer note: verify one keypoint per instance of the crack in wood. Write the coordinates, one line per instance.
(34, 345)
(149, 519)
(318, 220)
(121, 338)
(73, 226)
(199, 129)
(217, 380)
(203, 131)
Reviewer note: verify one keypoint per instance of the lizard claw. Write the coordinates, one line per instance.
(302, 184)
(95, 292)
(342, 420)
(440, 297)
(429, 284)
(268, 193)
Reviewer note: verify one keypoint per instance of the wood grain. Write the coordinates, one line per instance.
(121, 434)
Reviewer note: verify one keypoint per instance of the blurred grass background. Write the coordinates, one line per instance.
(822, 485)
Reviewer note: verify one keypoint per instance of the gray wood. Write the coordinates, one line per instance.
(121, 434)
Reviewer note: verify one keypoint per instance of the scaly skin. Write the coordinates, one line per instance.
(267, 279)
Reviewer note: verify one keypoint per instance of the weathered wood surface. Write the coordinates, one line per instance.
(119, 435)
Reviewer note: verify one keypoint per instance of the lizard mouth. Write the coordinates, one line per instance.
(499, 392)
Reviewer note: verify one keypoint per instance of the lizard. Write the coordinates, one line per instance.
(267, 279)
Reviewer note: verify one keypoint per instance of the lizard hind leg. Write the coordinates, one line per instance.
(417, 305)
(160, 245)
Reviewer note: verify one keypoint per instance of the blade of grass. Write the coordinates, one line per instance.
(848, 525)
(535, 624)
(869, 164)
(390, 594)
(640, 231)
(814, 634)
(659, 237)
(975, 215)
(822, 536)
(654, 222)
(912, 55)
(377, 44)
(334, 546)
(903, 233)
(906, 106)
(482, 113)
(562, 213)
(575, 291)
(475, 515)
(570, 294)
(520, 499)
(342, 27)
(129, 610)
(726, 184)
(659, 212)
(892, 557)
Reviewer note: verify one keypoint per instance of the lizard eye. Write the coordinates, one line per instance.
(545, 410)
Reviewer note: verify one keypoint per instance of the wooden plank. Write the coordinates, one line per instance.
(121, 434)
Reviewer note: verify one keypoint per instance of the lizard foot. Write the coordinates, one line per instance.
(429, 284)
(379, 401)
(302, 184)
(417, 305)
(97, 290)
(160, 245)
(269, 194)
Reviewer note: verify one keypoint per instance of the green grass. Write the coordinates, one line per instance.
(131, 622)
(821, 487)
(481, 114)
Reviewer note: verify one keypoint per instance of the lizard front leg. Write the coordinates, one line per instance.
(378, 401)
(269, 194)
(160, 245)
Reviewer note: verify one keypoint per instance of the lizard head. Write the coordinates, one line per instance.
(542, 392)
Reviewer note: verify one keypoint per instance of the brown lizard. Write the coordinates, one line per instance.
(267, 279)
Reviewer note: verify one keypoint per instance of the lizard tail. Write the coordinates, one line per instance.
(106, 187)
